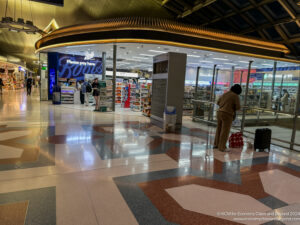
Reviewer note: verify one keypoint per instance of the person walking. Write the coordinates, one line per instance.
(284, 100)
(1, 85)
(228, 104)
(29, 85)
(79, 86)
(96, 91)
(86, 90)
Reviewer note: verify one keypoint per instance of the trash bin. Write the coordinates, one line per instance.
(56, 97)
(170, 119)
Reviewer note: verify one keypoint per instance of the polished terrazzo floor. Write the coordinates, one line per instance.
(67, 166)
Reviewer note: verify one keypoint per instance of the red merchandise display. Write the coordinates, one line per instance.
(126, 99)
(236, 140)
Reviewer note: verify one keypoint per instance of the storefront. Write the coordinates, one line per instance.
(214, 61)
(12, 75)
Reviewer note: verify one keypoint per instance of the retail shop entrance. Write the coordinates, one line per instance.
(270, 82)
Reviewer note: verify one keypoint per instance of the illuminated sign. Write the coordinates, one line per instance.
(72, 66)
(122, 74)
(276, 84)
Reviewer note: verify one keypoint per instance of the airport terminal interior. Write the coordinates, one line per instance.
(109, 111)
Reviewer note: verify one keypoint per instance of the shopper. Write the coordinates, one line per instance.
(96, 91)
(284, 100)
(79, 86)
(86, 89)
(228, 104)
(1, 85)
(29, 85)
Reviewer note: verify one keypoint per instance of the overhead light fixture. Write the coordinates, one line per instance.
(243, 62)
(156, 51)
(266, 64)
(19, 24)
(220, 59)
(230, 64)
(147, 55)
(136, 57)
(194, 56)
(205, 61)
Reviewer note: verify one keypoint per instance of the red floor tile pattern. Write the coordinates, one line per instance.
(251, 185)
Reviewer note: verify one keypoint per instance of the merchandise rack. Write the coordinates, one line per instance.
(67, 95)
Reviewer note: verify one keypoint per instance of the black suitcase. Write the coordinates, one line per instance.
(262, 139)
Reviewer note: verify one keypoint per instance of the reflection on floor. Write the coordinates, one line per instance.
(62, 165)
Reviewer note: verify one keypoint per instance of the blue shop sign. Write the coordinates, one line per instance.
(70, 66)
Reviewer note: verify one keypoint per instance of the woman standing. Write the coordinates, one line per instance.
(228, 104)
(284, 100)
(96, 91)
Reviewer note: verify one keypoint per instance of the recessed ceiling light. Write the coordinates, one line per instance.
(136, 57)
(220, 59)
(204, 61)
(158, 46)
(195, 56)
(147, 55)
(230, 63)
(156, 51)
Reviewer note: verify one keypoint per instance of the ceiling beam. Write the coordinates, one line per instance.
(240, 11)
(184, 4)
(294, 40)
(196, 8)
(289, 10)
(169, 7)
(261, 32)
(248, 20)
(285, 39)
(164, 2)
(270, 24)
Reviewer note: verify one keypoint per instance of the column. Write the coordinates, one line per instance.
(273, 81)
(197, 79)
(212, 93)
(103, 65)
(246, 97)
(232, 76)
(296, 113)
(114, 76)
